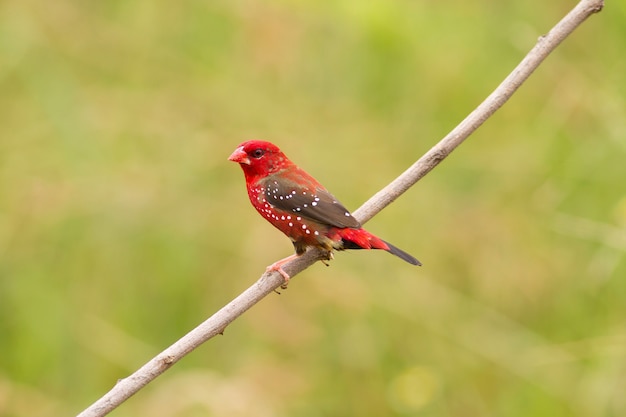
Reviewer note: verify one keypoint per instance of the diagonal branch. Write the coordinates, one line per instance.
(268, 282)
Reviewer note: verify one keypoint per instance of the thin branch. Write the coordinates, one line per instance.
(545, 45)
(268, 282)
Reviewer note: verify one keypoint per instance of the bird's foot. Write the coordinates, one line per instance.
(329, 257)
(278, 267)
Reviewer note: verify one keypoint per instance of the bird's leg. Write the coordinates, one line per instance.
(329, 257)
(278, 267)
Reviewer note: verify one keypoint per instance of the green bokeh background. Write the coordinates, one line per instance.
(122, 224)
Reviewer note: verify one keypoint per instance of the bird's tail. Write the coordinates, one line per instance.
(362, 239)
(402, 254)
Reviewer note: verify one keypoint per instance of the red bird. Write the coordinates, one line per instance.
(300, 207)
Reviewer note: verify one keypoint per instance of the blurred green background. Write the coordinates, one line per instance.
(123, 226)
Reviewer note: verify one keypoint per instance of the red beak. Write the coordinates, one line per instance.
(239, 156)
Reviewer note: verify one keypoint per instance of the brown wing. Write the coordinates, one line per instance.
(313, 203)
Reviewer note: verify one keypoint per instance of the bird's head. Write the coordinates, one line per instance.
(258, 158)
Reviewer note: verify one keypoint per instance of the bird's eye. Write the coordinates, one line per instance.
(257, 153)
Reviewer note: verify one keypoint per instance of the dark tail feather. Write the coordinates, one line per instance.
(362, 239)
(402, 255)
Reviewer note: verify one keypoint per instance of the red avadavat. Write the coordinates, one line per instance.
(300, 207)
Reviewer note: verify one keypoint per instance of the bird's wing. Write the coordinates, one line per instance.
(302, 195)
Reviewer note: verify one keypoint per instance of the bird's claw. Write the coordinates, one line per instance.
(329, 257)
(278, 267)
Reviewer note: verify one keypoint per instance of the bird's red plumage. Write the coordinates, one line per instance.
(299, 206)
